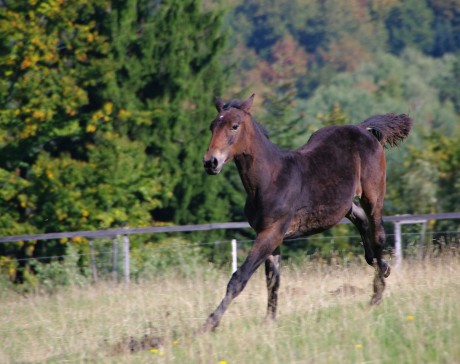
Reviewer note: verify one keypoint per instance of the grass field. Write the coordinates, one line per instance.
(324, 317)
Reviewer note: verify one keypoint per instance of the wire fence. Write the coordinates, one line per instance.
(116, 260)
(110, 255)
(452, 240)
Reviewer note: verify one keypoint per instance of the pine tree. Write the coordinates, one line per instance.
(175, 55)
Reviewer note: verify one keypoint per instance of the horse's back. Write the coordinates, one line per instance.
(340, 138)
(340, 152)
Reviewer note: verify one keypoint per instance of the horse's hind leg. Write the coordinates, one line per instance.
(382, 269)
(358, 217)
(373, 211)
(272, 275)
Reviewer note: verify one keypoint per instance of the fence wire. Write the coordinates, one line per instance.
(434, 240)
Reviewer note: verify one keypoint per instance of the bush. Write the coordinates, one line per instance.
(67, 272)
(173, 255)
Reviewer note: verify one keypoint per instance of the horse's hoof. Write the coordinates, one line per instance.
(376, 300)
(269, 320)
(209, 326)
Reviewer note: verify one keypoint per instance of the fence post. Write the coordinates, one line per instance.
(398, 243)
(234, 256)
(398, 249)
(422, 241)
(93, 261)
(126, 258)
(115, 260)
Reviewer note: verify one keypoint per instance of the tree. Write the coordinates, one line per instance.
(265, 22)
(101, 114)
(448, 84)
(446, 26)
(432, 177)
(276, 83)
(47, 51)
(409, 25)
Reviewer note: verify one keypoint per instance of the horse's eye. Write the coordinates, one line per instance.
(235, 126)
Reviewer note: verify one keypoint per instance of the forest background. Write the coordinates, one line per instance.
(105, 105)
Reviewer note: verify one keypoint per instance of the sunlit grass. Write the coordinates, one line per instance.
(319, 320)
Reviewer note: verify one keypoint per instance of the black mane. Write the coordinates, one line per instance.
(234, 103)
(262, 128)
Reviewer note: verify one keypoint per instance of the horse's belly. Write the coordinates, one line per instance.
(307, 222)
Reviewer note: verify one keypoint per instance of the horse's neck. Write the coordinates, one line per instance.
(257, 165)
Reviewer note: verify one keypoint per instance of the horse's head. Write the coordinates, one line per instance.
(229, 135)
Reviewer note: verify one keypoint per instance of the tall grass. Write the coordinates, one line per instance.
(324, 317)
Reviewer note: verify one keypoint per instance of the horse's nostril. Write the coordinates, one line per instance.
(211, 163)
(214, 162)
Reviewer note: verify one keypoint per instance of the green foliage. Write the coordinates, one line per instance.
(448, 84)
(172, 256)
(60, 273)
(101, 115)
(409, 25)
(405, 84)
(440, 156)
(335, 117)
(169, 65)
(446, 26)
(279, 92)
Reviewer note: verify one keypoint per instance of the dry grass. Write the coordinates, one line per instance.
(324, 317)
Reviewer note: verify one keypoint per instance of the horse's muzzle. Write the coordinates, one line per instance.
(211, 165)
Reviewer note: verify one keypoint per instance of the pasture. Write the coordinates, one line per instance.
(324, 317)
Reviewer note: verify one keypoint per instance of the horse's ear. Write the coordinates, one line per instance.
(219, 104)
(248, 103)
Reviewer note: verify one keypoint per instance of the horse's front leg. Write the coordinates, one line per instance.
(266, 242)
(272, 275)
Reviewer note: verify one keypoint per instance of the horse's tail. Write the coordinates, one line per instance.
(389, 129)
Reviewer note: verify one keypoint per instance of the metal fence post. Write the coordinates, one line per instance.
(398, 248)
(115, 260)
(234, 256)
(126, 262)
(422, 241)
(93, 261)
(398, 243)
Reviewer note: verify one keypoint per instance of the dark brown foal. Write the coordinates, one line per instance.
(305, 191)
